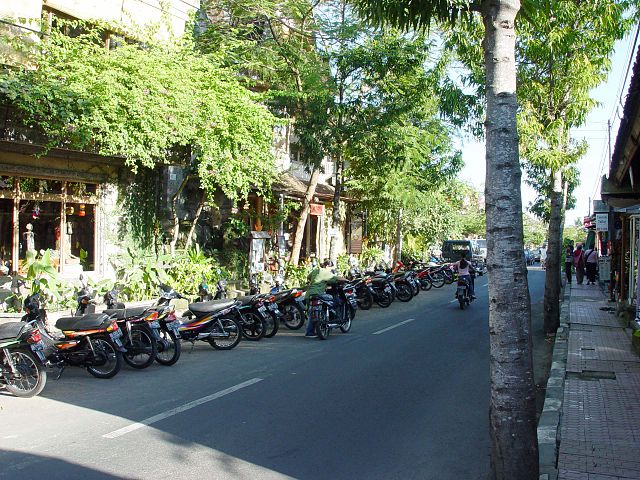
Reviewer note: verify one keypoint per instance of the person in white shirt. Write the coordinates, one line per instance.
(464, 268)
(543, 257)
(591, 263)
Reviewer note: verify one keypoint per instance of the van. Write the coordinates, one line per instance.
(452, 250)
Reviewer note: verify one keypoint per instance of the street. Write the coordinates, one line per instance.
(404, 395)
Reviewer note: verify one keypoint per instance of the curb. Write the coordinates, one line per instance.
(549, 422)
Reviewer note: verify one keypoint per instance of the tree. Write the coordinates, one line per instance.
(271, 44)
(512, 404)
(564, 51)
(151, 103)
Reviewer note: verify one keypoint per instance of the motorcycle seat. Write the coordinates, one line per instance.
(324, 297)
(90, 321)
(11, 330)
(283, 295)
(246, 300)
(204, 308)
(122, 313)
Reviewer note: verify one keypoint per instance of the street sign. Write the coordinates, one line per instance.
(602, 222)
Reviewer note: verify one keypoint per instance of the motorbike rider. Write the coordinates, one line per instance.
(319, 279)
(465, 271)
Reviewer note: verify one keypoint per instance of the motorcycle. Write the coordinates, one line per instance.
(462, 292)
(168, 346)
(22, 368)
(291, 303)
(327, 313)
(92, 341)
(215, 322)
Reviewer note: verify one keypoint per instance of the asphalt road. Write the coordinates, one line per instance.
(404, 395)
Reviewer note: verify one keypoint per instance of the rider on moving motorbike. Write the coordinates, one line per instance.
(464, 268)
(318, 279)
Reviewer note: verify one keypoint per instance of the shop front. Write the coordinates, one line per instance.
(53, 203)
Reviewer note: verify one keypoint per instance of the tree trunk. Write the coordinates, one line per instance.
(304, 213)
(174, 213)
(196, 219)
(554, 247)
(398, 238)
(514, 452)
(335, 215)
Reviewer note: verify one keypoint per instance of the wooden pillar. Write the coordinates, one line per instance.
(623, 254)
(63, 227)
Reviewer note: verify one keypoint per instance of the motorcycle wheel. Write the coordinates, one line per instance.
(448, 276)
(425, 283)
(346, 326)
(169, 348)
(113, 364)
(384, 300)
(253, 326)
(33, 376)
(322, 325)
(462, 302)
(365, 301)
(143, 349)
(416, 288)
(405, 292)
(438, 279)
(293, 316)
(229, 326)
(272, 324)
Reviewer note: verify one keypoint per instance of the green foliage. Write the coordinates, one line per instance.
(236, 262)
(139, 272)
(146, 103)
(137, 198)
(370, 257)
(296, 276)
(535, 231)
(43, 277)
(188, 268)
(343, 265)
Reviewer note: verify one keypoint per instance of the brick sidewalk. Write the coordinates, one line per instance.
(599, 431)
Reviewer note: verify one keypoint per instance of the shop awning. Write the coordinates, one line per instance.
(291, 185)
(622, 196)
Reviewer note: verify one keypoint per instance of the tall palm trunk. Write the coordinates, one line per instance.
(304, 214)
(552, 278)
(514, 453)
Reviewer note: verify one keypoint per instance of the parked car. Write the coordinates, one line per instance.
(536, 255)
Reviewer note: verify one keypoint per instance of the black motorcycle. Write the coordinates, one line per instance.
(22, 364)
(168, 347)
(291, 303)
(335, 309)
(463, 292)
(216, 322)
(92, 341)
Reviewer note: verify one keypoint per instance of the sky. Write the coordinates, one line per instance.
(596, 162)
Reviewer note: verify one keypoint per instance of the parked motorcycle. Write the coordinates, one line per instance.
(215, 322)
(291, 303)
(168, 347)
(328, 313)
(22, 368)
(91, 341)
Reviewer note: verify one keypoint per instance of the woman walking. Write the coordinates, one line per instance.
(568, 263)
(578, 262)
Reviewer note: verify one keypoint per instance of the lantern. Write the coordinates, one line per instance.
(36, 212)
(81, 212)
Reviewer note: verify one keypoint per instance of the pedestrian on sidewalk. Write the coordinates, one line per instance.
(543, 257)
(568, 263)
(591, 262)
(578, 263)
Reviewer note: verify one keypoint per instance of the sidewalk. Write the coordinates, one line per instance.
(590, 425)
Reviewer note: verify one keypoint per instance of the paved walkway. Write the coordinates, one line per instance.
(598, 436)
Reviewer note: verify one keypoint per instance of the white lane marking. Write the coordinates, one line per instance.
(486, 284)
(180, 409)
(393, 326)
(454, 300)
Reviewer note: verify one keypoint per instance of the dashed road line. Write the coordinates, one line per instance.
(182, 408)
(393, 326)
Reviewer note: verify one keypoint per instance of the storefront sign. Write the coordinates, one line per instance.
(316, 209)
(602, 222)
(586, 222)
